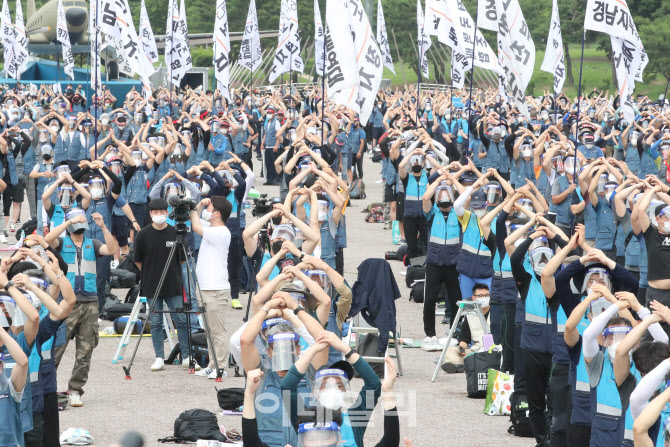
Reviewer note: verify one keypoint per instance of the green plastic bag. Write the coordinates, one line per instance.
(498, 392)
(395, 232)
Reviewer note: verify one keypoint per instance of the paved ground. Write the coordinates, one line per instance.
(435, 414)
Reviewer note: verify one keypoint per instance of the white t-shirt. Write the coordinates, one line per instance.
(212, 267)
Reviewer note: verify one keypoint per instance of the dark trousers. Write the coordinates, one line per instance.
(561, 400)
(579, 436)
(508, 332)
(234, 261)
(51, 430)
(339, 261)
(270, 172)
(537, 367)
(519, 373)
(357, 165)
(33, 438)
(496, 321)
(435, 277)
(416, 234)
(102, 271)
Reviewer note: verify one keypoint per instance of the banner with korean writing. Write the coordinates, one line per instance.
(147, 35)
(287, 56)
(183, 30)
(20, 54)
(341, 71)
(483, 55)
(319, 44)
(250, 49)
(221, 38)
(177, 56)
(63, 37)
(487, 15)
(382, 38)
(554, 58)
(423, 41)
(7, 35)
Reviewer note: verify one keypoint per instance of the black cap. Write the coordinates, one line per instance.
(344, 366)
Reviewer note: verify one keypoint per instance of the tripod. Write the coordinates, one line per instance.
(263, 245)
(181, 245)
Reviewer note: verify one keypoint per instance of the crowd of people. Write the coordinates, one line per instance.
(547, 221)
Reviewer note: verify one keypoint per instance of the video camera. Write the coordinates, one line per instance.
(181, 208)
(263, 205)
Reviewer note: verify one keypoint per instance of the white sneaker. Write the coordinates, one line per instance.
(186, 362)
(212, 375)
(430, 344)
(158, 365)
(206, 372)
(3, 239)
(114, 264)
(12, 227)
(74, 399)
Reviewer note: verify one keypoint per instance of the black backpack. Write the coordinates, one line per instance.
(519, 415)
(417, 292)
(414, 272)
(28, 228)
(368, 348)
(197, 424)
(230, 398)
(357, 189)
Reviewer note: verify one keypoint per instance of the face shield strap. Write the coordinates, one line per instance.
(284, 232)
(71, 214)
(599, 306)
(322, 434)
(320, 277)
(284, 350)
(618, 333)
(600, 273)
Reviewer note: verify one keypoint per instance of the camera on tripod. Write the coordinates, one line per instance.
(181, 211)
(263, 205)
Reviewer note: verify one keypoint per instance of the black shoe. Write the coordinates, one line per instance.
(446, 320)
(451, 368)
(259, 158)
(268, 184)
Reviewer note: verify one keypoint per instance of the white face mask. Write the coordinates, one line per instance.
(205, 189)
(104, 122)
(332, 398)
(527, 153)
(480, 213)
(608, 196)
(611, 350)
(589, 146)
(206, 215)
(666, 227)
(96, 194)
(322, 216)
(633, 141)
(485, 302)
(43, 138)
(159, 219)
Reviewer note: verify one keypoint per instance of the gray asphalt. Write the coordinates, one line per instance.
(432, 414)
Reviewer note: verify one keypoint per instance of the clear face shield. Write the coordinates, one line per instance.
(299, 238)
(614, 335)
(171, 189)
(599, 306)
(137, 157)
(324, 209)
(538, 243)
(216, 126)
(20, 319)
(493, 193)
(651, 211)
(319, 277)
(60, 171)
(572, 165)
(526, 203)
(596, 276)
(558, 164)
(268, 324)
(319, 435)
(96, 186)
(115, 166)
(41, 284)
(539, 258)
(7, 310)
(600, 189)
(283, 231)
(285, 349)
(444, 196)
(76, 228)
(330, 388)
(416, 163)
(526, 150)
(66, 195)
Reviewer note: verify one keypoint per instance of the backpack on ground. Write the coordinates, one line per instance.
(121, 279)
(230, 398)
(368, 348)
(417, 292)
(27, 228)
(196, 424)
(519, 415)
(376, 215)
(414, 273)
(126, 263)
(357, 189)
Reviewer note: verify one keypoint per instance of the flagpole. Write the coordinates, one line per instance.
(171, 48)
(58, 62)
(472, 72)
(96, 81)
(418, 84)
(579, 99)
(323, 92)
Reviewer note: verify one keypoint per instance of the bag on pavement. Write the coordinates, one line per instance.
(498, 393)
(197, 424)
(477, 367)
(519, 415)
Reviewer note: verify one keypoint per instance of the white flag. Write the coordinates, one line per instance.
(117, 19)
(319, 45)
(183, 29)
(382, 38)
(177, 54)
(7, 37)
(147, 35)
(630, 58)
(487, 15)
(63, 37)
(20, 53)
(287, 56)
(516, 52)
(250, 49)
(96, 46)
(221, 49)
(423, 39)
(359, 64)
(554, 59)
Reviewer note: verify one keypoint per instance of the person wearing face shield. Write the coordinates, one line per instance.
(67, 190)
(12, 388)
(219, 142)
(414, 184)
(495, 152)
(17, 142)
(270, 144)
(137, 190)
(122, 131)
(600, 194)
(71, 143)
(631, 148)
(282, 350)
(563, 189)
(80, 254)
(444, 248)
(42, 173)
(475, 262)
(588, 148)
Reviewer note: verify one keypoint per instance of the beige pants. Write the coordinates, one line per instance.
(452, 355)
(221, 324)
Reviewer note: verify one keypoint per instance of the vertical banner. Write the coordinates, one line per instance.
(147, 35)
(183, 29)
(221, 49)
(382, 38)
(287, 56)
(7, 31)
(63, 37)
(423, 41)
(319, 44)
(250, 49)
(20, 53)
(554, 59)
